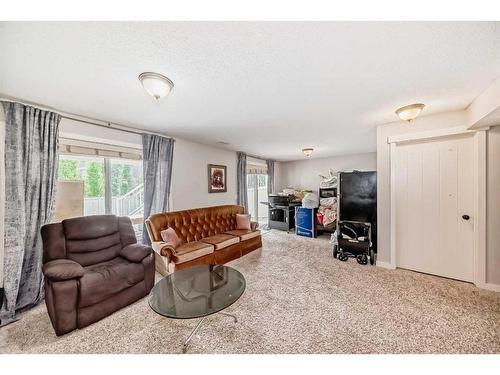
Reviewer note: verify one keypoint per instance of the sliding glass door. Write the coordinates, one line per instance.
(257, 197)
(92, 185)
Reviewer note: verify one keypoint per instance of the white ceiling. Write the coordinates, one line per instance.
(267, 88)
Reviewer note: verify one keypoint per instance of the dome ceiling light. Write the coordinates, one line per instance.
(408, 113)
(156, 85)
(307, 151)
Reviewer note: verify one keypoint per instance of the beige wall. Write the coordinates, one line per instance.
(189, 175)
(278, 171)
(304, 174)
(444, 120)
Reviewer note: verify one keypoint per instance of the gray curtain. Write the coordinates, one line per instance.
(241, 175)
(31, 164)
(157, 156)
(270, 176)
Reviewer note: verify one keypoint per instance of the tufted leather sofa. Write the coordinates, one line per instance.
(93, 267)
(209, 236)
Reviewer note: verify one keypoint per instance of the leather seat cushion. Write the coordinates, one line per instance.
(191, 250)
(100, 281)
(244, 234)
(221, 241)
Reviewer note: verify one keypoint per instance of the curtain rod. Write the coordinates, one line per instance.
(79, 118)
(257, 157)
(108, 126)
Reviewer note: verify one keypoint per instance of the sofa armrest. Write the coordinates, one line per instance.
(135, 252)
(62, 269)
(165, 249)
(254, 225)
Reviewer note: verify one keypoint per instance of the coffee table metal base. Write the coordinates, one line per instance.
(185, 346)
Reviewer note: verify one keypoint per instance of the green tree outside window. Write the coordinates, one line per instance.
(94, 180)
(68, 170)
(122, 179)
(127, 180)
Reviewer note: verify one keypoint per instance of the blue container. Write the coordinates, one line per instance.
(304, 222)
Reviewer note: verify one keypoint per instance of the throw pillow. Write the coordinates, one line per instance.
(170, 236)
(243, 222)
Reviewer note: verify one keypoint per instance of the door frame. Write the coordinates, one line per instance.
(479, 141)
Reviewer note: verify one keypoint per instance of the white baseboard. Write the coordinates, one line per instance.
(385, 265)
(489, 286)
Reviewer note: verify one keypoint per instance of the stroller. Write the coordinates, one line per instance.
(354, 239)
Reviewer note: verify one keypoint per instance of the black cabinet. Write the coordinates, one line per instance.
(358, 200)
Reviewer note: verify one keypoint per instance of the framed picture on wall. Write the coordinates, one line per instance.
(217, 181)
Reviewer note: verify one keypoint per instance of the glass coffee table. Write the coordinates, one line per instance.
(197, 292)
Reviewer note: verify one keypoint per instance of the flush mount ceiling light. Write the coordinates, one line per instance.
(307, 151)
(410, 112)
(156, 85)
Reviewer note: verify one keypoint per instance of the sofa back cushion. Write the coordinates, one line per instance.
(92, 239)
(195, 224)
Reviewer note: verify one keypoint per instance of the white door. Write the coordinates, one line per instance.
(434, 198)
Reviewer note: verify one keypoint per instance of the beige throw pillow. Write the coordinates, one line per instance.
(243, 221)
(170, 236)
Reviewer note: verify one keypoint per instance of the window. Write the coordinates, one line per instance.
(95, 186)
(89, 172)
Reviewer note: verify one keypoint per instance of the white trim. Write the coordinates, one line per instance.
(479, 139)
(392, 156)
(386, 265)
(490, 286)
(480, 207)
(430, 134)
(72, 145)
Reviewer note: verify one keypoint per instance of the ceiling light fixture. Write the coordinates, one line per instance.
(307, 151)
(156, 85)
(410, 112)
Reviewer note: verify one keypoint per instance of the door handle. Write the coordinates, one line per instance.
(465, 217)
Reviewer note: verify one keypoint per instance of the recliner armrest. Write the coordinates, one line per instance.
(254, 225)
(135, 252)
(62, 269)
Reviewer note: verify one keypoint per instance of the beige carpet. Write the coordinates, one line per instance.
(298, 300)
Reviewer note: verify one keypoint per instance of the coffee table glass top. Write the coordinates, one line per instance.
(197, 291)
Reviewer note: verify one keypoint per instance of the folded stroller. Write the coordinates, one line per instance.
(354, 239)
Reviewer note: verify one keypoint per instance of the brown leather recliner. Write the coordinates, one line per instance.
(93, 267)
